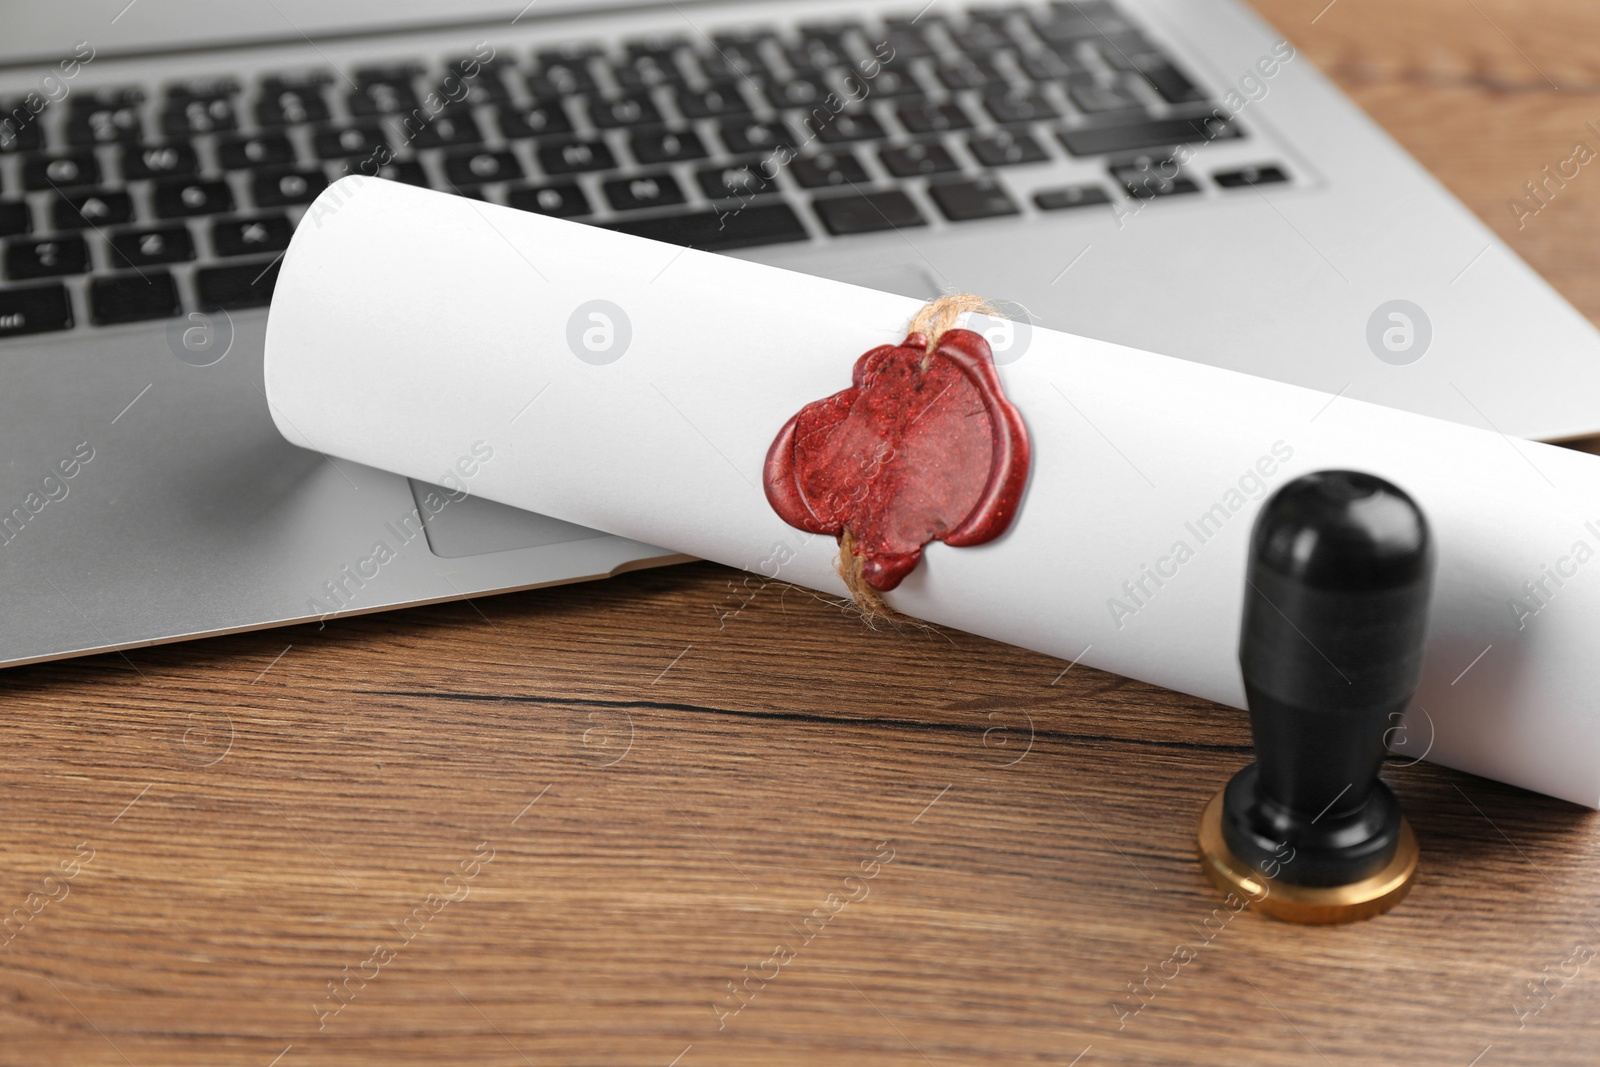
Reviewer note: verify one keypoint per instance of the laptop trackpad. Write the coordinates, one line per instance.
(470, 526)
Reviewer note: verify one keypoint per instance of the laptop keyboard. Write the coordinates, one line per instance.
(131, 203)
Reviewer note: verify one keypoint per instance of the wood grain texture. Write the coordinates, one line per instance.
(658, 780)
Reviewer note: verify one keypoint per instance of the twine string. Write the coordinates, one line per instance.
(937, 316)
(849, 565)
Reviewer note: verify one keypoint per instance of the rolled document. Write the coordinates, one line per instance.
(635, 387)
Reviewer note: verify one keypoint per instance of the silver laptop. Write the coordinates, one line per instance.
(1169, 174)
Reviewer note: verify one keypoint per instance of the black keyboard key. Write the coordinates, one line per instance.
(814, 56)
(735, 181)
(644, 191)
(744, 137)
(909, 37)
(1070, 196)
(662, 46)
(576, 157)
(1243, 178)
(471, 82)
(895, 84)
(159, 161)
(919, 160)
(62, 171)
(1018, 105)
(196, 89)
(716, 101)
(1007, 148)
(111, 96)
(933, 118)
(279, 188)
(252, 236)
(364, 140)
(636, 109)
(1149, 177)
(151, 247)
(743, 45)
(449, 129)
(567, 52)
(384, 95)
(1129, 52)
(1069, 23)
(1151, 133)
(846, 127)
(799, 91)
(667, 146)
(246, 286)
(968, 72)
(898, 28)
(187, 116)
(981, 198)
(834, 32)
(107, 96)
(399, 72)
(539, 119)
(104, 123)
(35, 309)
(642, 73)
(285, 103)
(1165, 79)
(474, 166)
(720, 67)
(262, 150)
(812, 59)
(830, 33)
(559, 76)
(91, 208)
(867, 212)
(1055, 67)
(1173, 85)
(15, 218)
(1094, 99)
(404, 170)
(132, 298)
(740, 227)
(989, 30)
(828, 169)
(563, 200)
(24, 132)
(177, 198)
(46, 257)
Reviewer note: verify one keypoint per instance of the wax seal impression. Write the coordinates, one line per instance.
(923, 446)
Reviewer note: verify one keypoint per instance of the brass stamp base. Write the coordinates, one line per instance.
(1371, 896)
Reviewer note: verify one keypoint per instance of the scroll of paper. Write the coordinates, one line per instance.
(635, 387)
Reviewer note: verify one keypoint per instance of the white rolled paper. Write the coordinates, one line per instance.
(635, 387)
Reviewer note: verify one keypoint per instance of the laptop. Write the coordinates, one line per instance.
(1167, 174)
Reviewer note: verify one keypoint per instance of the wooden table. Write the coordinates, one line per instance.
(684, 818)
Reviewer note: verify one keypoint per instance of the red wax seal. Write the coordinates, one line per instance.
(920, 448)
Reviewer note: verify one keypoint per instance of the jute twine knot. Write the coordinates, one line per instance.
(940, 315)
(932, 321)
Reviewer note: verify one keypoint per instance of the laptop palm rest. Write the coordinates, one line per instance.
(471, 526)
